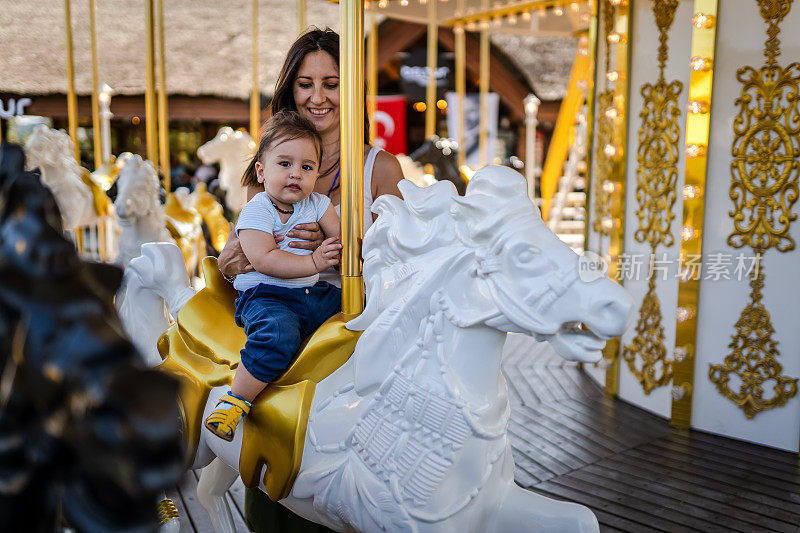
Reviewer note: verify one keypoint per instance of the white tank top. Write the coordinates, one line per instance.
(331, 275)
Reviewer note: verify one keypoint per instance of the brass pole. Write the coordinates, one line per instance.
(255, 96)
(302, 16)
(72, 98)
(372, 76)
(461, 89)
(430, 90)
(98, 149)
(483, 129)
(150, 88)
(163, 113)
(352, 152)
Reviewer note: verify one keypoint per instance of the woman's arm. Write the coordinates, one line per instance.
(386, 174)
(265, 256)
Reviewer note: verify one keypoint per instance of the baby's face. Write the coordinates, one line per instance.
(289, 170)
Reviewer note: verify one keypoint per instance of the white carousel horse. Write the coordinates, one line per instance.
(141, 215)
(233, 150)
(409, 434)
(51, 151)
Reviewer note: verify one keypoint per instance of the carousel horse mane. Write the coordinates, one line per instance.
(51, 151)
(86, 432)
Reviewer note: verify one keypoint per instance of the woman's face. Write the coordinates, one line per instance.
(316, 90)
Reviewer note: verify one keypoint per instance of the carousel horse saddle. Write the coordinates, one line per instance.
(202, 351)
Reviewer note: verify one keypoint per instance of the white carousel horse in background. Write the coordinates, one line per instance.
(141, 215)
(409, 434)
(233, 150)
(86, 210)
(51, 151)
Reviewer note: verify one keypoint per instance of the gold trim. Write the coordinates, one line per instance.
(72, 97)
(302, 16)
(150, 87)
(352, 151)
(372, 76)
(255, 96)
(483, 71)
(696, 168)
(605, 134)
(656, 182)
(430, 89)
(166, 511)
(591, 98)
(461, 88)
(764, 187)
(515, 8)
(623, 25)
(163, 114)
(96, 136)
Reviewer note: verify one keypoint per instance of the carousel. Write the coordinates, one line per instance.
(605, 355)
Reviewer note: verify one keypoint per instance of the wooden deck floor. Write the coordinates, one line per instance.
(631, 468)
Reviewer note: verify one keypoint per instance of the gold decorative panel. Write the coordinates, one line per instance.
(656, 181)
(764, 187)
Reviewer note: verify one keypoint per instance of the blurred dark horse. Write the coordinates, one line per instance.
(442, 153)
(88, 436)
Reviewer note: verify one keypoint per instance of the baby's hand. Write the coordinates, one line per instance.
(327, 255)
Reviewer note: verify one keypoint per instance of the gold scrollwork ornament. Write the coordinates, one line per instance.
(764, 187)
(656, 183)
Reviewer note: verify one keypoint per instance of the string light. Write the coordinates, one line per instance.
(612, 113)
(512, 18)
(458, 29)
(609, 186)
(682, 314)
(703, 21)
(497, 20)
(423, 2)
(615, 37)
(679, 354)
(687, 233)
(541, 12)
(699, 63)
(574, 6)
(484, 24)
(612, 76)
(690, 192)
(695, 150)
(607, 223)
(383, 3)
(610, 150)
(441, 104)
(526, 16)
(618, 2)
(558, 11)
(471, 25)
(697, 107)
(420, 107)
(404, 3)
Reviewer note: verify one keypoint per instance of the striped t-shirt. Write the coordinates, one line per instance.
(260, 214)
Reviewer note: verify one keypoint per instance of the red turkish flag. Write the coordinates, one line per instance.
(390, 120)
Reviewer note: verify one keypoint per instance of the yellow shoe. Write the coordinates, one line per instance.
(225, 417)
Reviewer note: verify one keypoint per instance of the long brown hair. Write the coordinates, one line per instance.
(282, 126)
(314, 40)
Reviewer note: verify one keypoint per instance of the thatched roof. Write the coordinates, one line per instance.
(208, 46)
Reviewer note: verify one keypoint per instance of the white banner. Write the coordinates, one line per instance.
(472, 114)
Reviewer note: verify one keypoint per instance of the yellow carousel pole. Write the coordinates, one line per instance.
(430, 90)
(255, 96)
(461, 89)
(72, 98)
(150, 113)
(352, 152)
(98, 150)
(483, 130)
(163, 114)
(302, 16)
(372, 76)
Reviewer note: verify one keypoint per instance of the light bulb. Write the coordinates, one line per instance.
(703, 21)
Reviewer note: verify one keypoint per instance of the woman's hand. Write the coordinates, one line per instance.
(327, 254)
(310, 234)
(232, 260)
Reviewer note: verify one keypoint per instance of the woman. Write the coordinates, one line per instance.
(309, 84)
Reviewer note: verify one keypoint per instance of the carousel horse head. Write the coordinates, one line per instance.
(85, 429)
(137, 189)
(515, 274)
(51, 151)
(233, 150)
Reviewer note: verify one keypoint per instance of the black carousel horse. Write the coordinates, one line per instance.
(442, 153)
(88, 435)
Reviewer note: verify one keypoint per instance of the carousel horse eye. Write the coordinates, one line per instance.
(526, 255)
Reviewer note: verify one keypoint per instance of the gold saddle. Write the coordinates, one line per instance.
(202, 351)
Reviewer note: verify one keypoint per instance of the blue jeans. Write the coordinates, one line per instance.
(277, 319)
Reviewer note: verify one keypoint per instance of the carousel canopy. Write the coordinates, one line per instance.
(208, 47)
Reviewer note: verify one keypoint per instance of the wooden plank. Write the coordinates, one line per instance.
(700, 470)
(722, 493)
(578, 433)
(694, 511)
(542, 386)
(528, 396)
(543, 452)
(595, 501)
(571, 444)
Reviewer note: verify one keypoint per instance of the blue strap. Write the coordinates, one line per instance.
(333, 185)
